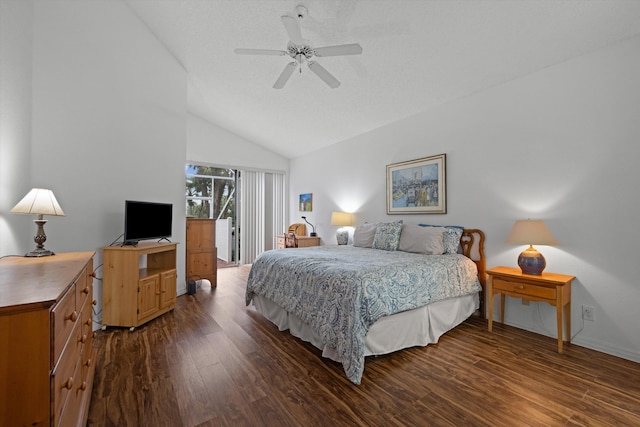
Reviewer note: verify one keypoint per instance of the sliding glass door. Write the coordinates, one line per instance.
(249, 208)
(211, 193)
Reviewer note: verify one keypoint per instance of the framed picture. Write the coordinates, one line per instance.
(417, 186)
(306, 201)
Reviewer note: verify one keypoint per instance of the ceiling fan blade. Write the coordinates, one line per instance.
(292, 25)
(321, 72)
(343, 49)
(284, 76)
(271, 52)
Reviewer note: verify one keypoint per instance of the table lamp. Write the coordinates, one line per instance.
(39, 202)
(313, 227)
(342, 219)
(531, 232)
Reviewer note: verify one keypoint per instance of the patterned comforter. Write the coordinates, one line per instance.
(340, 291)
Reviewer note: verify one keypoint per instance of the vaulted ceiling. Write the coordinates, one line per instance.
(416, 56)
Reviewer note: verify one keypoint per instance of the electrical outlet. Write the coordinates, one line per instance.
(587, 313)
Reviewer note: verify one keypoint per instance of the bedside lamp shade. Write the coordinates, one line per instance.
(531, 232)
(342, 219)
(39, 201)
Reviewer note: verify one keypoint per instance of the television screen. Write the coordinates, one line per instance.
(146, 220)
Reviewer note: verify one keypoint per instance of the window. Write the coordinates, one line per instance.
(210, 192)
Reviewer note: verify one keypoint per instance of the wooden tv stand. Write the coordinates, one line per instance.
(135, 291)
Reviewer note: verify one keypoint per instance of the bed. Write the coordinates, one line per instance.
(354, 301)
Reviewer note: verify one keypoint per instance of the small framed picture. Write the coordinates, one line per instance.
(306, 201)
(417, 186)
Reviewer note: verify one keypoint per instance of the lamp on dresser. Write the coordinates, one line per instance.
(39, 201)
(342, 219)
(531, 232)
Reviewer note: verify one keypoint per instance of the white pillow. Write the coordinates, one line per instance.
(422, 240)
(364, 234)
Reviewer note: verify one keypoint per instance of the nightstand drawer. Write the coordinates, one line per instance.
(524, 289)
(307, 242)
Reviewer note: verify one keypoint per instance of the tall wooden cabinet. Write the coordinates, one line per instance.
(47, 359)
(139, 283)
(202, 257)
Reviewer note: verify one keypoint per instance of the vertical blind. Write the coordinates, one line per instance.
(254, 206)
(279, 225)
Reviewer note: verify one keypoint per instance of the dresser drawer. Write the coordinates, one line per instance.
(63, 318)
(86, 323)
(64, 379)
(83, 287)
(68, 415)
(524, 289)
(86, 332)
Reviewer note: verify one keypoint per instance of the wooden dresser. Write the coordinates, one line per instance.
(202, 259)
(47, 359)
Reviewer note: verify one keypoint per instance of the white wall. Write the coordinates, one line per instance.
(16, 27)
(560, 144)
(107, 119)
(212, 145)
(94, 107)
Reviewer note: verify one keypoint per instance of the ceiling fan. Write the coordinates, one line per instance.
(301, 51)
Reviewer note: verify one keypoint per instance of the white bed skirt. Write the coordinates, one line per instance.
(418, 327)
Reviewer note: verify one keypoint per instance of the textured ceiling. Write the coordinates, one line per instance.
(416, 55)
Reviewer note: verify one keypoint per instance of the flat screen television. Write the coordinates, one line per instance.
(146, 221)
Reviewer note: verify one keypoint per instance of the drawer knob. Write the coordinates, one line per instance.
(73, 316)
(521, 287)
(88, 322)
(83, 339)
(83, 387)
(68, 384)
(88, 362)
(94, 302)
(85, 290)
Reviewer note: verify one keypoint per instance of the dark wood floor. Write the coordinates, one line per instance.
(214, 362)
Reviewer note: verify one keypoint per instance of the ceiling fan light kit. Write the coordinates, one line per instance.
(301, 51)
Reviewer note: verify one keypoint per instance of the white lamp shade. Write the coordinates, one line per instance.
(341, 219)
(39, 201)
(531, 232)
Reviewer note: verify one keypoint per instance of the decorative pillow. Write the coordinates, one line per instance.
(422, 240)
(450, 238)
(387, 236)
(364, 234)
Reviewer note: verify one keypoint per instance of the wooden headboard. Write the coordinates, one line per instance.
(472, 242)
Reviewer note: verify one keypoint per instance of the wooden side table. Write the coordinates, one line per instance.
(552, 288)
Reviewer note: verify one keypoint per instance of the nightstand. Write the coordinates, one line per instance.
(552, 288)
(303, 241)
